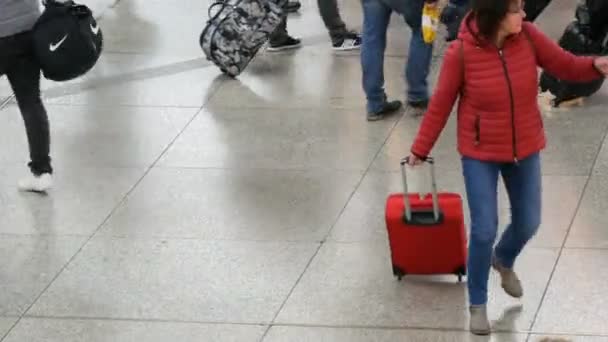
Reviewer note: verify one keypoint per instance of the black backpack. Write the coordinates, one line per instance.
(598, 18)
(581, 39)
(67, 40)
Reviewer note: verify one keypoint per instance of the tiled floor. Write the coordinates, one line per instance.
(193, 207)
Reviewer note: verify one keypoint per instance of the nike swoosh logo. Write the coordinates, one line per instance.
(95, 29)
(56, 46)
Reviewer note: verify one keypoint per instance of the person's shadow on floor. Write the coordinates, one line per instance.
(506, 323)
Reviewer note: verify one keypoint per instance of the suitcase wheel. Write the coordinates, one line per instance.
(398, 272)
(460, 272)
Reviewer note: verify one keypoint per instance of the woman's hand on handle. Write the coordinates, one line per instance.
(601, 64)
(413, 160)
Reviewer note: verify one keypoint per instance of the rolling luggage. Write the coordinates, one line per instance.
(578, 38)
(426, 233)
(235, 33)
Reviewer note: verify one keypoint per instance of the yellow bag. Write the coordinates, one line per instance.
(430, 22)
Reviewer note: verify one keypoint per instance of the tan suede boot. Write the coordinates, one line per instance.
(508, 279)
(479, 324)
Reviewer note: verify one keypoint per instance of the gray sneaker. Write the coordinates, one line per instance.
(508, 279)
(389, 108)
(478, 321)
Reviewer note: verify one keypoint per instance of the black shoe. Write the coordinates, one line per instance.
(418, 107)
(422, 104)
(293, 6)
(387, 109)
(287, 44)
(350, 41)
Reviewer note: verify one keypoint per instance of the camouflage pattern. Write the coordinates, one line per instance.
(235, 33)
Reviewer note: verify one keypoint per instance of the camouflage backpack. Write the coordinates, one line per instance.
(237, 30)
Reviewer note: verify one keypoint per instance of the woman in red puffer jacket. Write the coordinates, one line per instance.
(493, 67)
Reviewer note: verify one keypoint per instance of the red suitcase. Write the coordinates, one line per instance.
(426, 233)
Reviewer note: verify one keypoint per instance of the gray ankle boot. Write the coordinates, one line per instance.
(479, 324)
(508, 279)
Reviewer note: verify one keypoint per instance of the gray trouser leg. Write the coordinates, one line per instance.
(331, 18)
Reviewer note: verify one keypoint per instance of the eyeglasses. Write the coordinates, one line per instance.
(515, 9)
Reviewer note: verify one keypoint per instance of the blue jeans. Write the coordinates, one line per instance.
(376, 17)
(523, 184)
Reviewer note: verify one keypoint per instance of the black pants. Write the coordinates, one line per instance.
(328, 9)
(599, 21)
(330, 13)
(280, 35)
(18, 63)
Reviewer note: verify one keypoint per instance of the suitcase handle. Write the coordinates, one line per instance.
(421, 217)
(214, 5)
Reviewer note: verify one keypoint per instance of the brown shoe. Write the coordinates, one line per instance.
(478, 321)
(508, 279)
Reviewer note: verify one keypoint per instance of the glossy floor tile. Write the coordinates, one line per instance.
(589, 226)
(279, 139)
(29, 265)
(301, 334)
(5, 324)
(400, 142)
(569, 338)
(59, 330)
(275, 80)
(5, 89)
(191, 206)
(178, 280)
(85, 136)
(574, 138)
(343, 271)
(190, 87)
(153, 27)
(64, 211)
(234, 205)
(601, 164)
(575, 300)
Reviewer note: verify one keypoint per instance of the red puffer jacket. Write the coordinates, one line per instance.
(498, 115)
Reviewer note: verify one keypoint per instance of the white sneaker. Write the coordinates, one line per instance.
(34, 183)
(347, 44)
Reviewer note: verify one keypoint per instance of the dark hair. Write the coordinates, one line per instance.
(488, 15)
